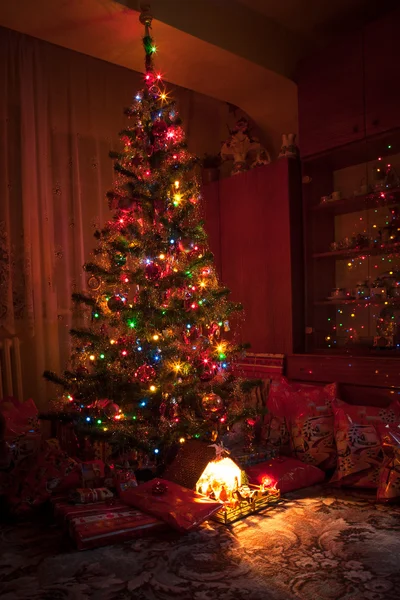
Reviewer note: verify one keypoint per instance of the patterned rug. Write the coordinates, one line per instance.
(317, 545)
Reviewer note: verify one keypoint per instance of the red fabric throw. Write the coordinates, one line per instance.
(181, 508)
(285, 474)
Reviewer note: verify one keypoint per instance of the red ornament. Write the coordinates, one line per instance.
(185, 245)
(115, 303)
(152, 272)
(159, 128)
(139, 133)
(145, 373)
(136, 161)
(81, 371)
(111, 410)
(212, 403)
(108, 407)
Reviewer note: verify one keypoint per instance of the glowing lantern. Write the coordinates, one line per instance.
(220, 479)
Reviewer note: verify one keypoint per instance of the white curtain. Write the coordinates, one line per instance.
(60, 114)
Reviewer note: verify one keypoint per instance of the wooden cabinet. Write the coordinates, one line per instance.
(258, 240)
(331, 101)
(382, 74)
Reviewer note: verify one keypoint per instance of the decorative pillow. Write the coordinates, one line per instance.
(359, 449)
(310, 419)
(389, 476)
(275, 431)
(285, 474)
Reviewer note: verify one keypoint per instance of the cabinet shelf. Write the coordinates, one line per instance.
(357, 203)
(338, 254)
(356, 302)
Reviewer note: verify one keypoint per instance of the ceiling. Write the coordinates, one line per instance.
(321, 20)
(240, 51)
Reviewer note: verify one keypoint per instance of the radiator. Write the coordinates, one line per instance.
(10, 368)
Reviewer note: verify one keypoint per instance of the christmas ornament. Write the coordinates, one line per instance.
(212, 403)
(93, 282)
(81, 371)
(185, 245)
(159, 128)
(145, 373)
(152, 272)
(115, 303)
(111, 409)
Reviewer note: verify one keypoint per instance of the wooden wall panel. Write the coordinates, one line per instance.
(354, 370)
(257, 211)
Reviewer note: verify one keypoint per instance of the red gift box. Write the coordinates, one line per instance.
(111, 526)
(64, 510)
(22, 434)
(180, 507)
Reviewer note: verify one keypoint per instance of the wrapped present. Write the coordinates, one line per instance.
(90, 495)
(181, 508)
(65, 433)
(124, 479)
(34, 480)
(92, 474)
(111, 527)
(22, 436)
(65, 510)
(102, 450)
(189, 463)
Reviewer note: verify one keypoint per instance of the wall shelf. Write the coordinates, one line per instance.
(357, 302)
(354, 252)
(357, 203)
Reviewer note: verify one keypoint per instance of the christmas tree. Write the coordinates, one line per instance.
(152, 363)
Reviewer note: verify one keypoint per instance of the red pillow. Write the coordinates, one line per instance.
(360, 454)
(285, 474)
(310, 418)
(389, 476)
(275, 431)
